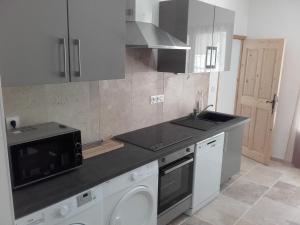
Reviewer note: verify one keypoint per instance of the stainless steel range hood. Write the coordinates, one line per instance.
(147, 35)
(141, 30)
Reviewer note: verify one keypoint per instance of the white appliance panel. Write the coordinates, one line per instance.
(131, 199)
(207, 171)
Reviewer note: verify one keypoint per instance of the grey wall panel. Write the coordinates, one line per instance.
(173, 18)
(172, 61)
(232, 153)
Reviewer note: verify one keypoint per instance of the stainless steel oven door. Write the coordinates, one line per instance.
(175, 182)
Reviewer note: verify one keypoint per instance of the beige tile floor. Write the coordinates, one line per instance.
(258, 195)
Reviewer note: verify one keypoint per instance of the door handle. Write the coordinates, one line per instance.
(77, 44)
(214, 141)
(273, 102)
(62, 41)
(178, 166)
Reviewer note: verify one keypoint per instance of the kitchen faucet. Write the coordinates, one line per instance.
(206, 108)
(196, 113)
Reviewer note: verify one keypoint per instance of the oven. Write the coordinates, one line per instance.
(175, 184)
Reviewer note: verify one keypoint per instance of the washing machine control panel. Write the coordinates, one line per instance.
(37, 218)
(85, 198)
(64, 210)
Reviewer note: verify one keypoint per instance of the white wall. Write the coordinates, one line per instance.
(228, 82)
(213, 91)
(6, 206)
(280, 19)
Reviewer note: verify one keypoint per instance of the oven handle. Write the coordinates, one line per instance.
(178, 166)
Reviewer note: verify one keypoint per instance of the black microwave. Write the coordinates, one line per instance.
(42, 151)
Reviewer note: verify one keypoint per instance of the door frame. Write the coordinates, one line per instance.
(240, 38)
(243, 38)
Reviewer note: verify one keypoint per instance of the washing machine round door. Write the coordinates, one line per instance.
(135, 208)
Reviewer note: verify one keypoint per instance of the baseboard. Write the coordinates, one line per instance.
(283, 161)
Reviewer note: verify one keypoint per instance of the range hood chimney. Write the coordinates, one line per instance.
(142, 31)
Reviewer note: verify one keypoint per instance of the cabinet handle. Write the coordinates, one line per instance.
(208, 57)
(214, 52)
(209, 143)
(78, 71)
(175, 167)
(62, 41)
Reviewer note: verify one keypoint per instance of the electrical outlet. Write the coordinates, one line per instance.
(160, 98)
(10, 119)
(155, 99)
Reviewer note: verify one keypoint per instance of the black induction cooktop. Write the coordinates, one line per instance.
(155, 138)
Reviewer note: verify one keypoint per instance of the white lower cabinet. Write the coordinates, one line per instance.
(207, 171)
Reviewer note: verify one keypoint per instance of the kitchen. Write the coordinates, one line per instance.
(146, 92)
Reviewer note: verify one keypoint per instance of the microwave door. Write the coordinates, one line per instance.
(37, 160)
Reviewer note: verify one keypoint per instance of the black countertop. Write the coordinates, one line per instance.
(102, 168)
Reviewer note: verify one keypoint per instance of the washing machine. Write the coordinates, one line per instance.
(85, 208)
(131, 199)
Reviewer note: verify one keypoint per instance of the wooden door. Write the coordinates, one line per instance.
(258, 90)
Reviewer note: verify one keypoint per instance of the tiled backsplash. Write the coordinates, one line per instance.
(103, 108)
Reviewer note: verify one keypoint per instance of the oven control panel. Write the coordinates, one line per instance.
(176, 155)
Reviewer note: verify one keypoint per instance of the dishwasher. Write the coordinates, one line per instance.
(207, 172)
